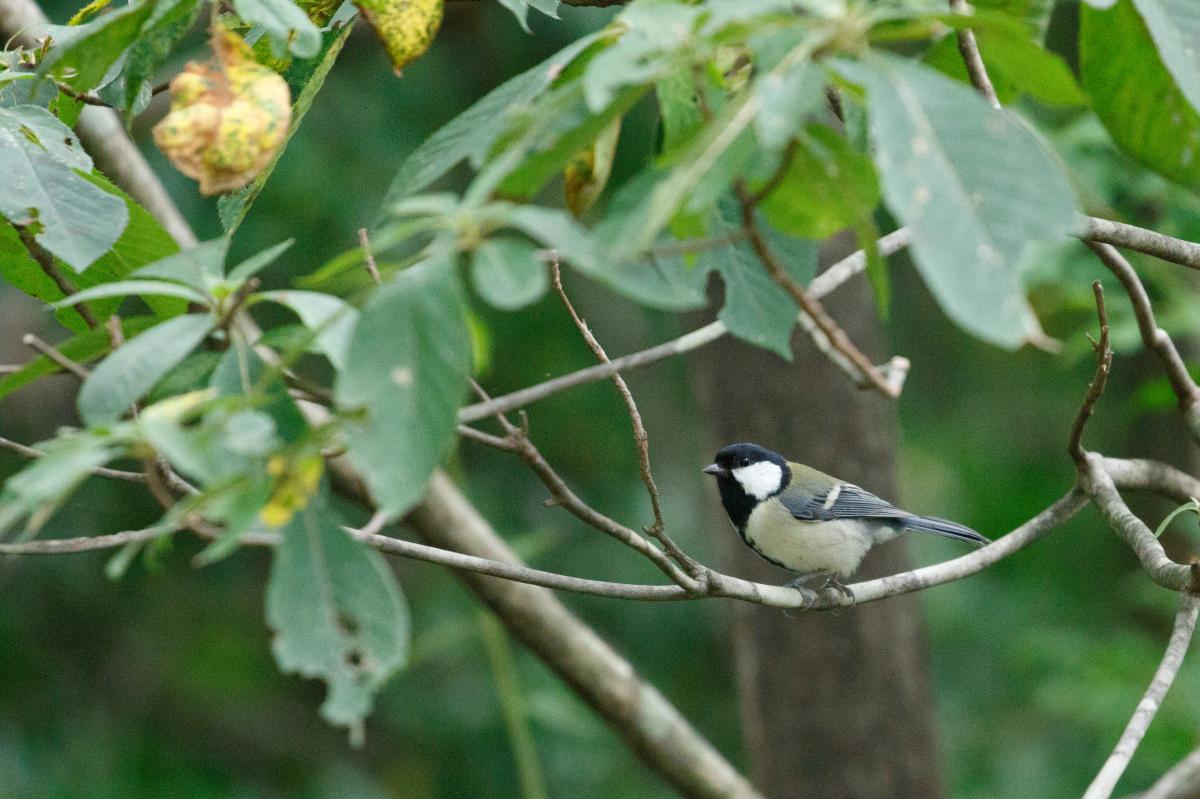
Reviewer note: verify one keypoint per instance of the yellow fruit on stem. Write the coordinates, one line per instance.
(406, 27)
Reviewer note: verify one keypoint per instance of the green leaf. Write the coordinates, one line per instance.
(167, 25)
(407, 366)
(1134, 95)
(83, 348)
(37, 490)
(125, 288)
(136, 366)
(757, 309)
(789, 101)
(256, 263)
(1035, 14)
(1016, 64)
(82, 54)
(78, 221)
(1174, 26)
(558, 135)
(645, 52)
(198, 267)
(142, 240)
(508, 273)
(337, 614)
(559, 231)
(305, 79)
(290, 28)
(472, 133)
(331, 318)
(47, 130)
(828, 186)
(520, 9)
(975, 187)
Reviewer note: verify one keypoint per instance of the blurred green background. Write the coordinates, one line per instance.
(162, 684)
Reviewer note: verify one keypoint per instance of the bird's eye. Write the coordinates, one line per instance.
(745, 461)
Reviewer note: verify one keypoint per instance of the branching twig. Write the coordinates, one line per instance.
(822, 284)
(46, 261)
(1185, 623)
(1099, 485)
(1154, 338)
(640, 437)
(39, 346)
(517, 441)
(1096, 387)
(833, 339)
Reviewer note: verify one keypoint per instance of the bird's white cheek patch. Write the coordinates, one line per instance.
(759, 480)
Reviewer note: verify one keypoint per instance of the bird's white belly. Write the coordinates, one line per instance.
(831, 546)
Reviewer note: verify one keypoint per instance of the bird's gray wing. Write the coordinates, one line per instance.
(843, 501)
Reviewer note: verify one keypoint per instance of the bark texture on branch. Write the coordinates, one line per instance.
(634, 708)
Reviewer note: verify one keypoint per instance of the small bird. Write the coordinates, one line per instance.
(808, 522)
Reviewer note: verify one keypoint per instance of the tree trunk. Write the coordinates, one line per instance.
(833, 704)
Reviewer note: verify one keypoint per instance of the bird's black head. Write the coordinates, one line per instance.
(746, 475)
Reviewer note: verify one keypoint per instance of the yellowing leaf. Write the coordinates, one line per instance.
(587, 173)
(296, 483)
(228, 119)
(406, 27)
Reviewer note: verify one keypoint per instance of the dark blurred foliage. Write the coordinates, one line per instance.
(162, 683)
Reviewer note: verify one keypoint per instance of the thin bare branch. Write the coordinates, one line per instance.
(640, 437)
(1096, 387)
(1185, 624)
(83, 97)
(369, 257)
(823, 284)
(1154, 338)
(517, 441)
(832, 339)
(522, 574)
(113, 474)
(46, 261)
(1145, 475)
(1119, 234)
(39, 346)
(1099, 485)
(968, 48)
(64, 546)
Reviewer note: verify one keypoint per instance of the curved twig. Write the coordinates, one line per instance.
(1185, 624)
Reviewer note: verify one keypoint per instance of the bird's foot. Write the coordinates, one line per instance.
(831, 581)
(807, 595)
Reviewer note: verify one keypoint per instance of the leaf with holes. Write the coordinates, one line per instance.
(337, 613)
(39, 170)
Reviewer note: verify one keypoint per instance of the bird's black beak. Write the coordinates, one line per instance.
(715, 470)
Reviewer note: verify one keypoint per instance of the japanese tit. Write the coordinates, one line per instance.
(807, 521)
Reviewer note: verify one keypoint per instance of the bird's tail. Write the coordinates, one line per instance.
(930, 524)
